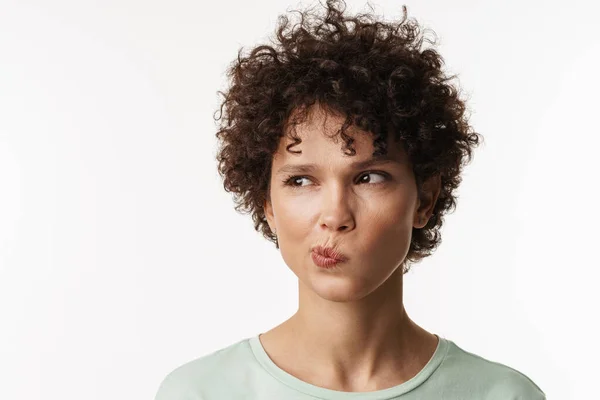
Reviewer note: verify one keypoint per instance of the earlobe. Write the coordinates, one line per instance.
(269, 215)
(427, 201)
(419, 221)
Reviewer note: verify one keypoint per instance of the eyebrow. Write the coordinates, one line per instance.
(309, 168)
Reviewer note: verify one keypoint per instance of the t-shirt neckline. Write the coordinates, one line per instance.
(329, 394)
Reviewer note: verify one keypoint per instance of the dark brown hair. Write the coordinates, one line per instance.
(374, 73)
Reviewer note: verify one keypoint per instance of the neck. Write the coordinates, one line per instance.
(359, 342)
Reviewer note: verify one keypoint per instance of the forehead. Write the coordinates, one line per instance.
(320, 137)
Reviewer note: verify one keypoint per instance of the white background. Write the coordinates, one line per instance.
(121, 256)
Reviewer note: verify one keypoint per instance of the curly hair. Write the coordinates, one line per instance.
(374, 73)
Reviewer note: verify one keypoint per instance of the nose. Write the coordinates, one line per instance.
(336, 211)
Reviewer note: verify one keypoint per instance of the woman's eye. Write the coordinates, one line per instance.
(296, 181)
(382, 178)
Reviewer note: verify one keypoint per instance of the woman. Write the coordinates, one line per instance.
(345, 142)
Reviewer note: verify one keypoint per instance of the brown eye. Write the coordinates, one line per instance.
(296, 180)
(293, 180)
(382, 178)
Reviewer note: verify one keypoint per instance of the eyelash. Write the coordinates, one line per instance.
(290, 179)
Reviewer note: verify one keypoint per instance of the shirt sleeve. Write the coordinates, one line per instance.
(516, 386)
(173, 388)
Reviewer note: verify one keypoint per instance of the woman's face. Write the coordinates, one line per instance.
(366, 212)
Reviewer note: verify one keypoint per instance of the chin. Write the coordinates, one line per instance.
(338, 289)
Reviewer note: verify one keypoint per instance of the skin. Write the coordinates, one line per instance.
(351, 331)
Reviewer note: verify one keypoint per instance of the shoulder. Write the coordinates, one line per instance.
(494, 379)
(191, 380)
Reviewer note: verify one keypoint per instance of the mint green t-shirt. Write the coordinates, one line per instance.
(244, 370)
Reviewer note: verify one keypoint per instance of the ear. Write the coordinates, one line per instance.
(268, 207)
(429, 193)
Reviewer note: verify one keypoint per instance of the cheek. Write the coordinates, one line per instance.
(292, 204)
(294, 215)
(388, 228)
(295, 218)
(393, 209)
